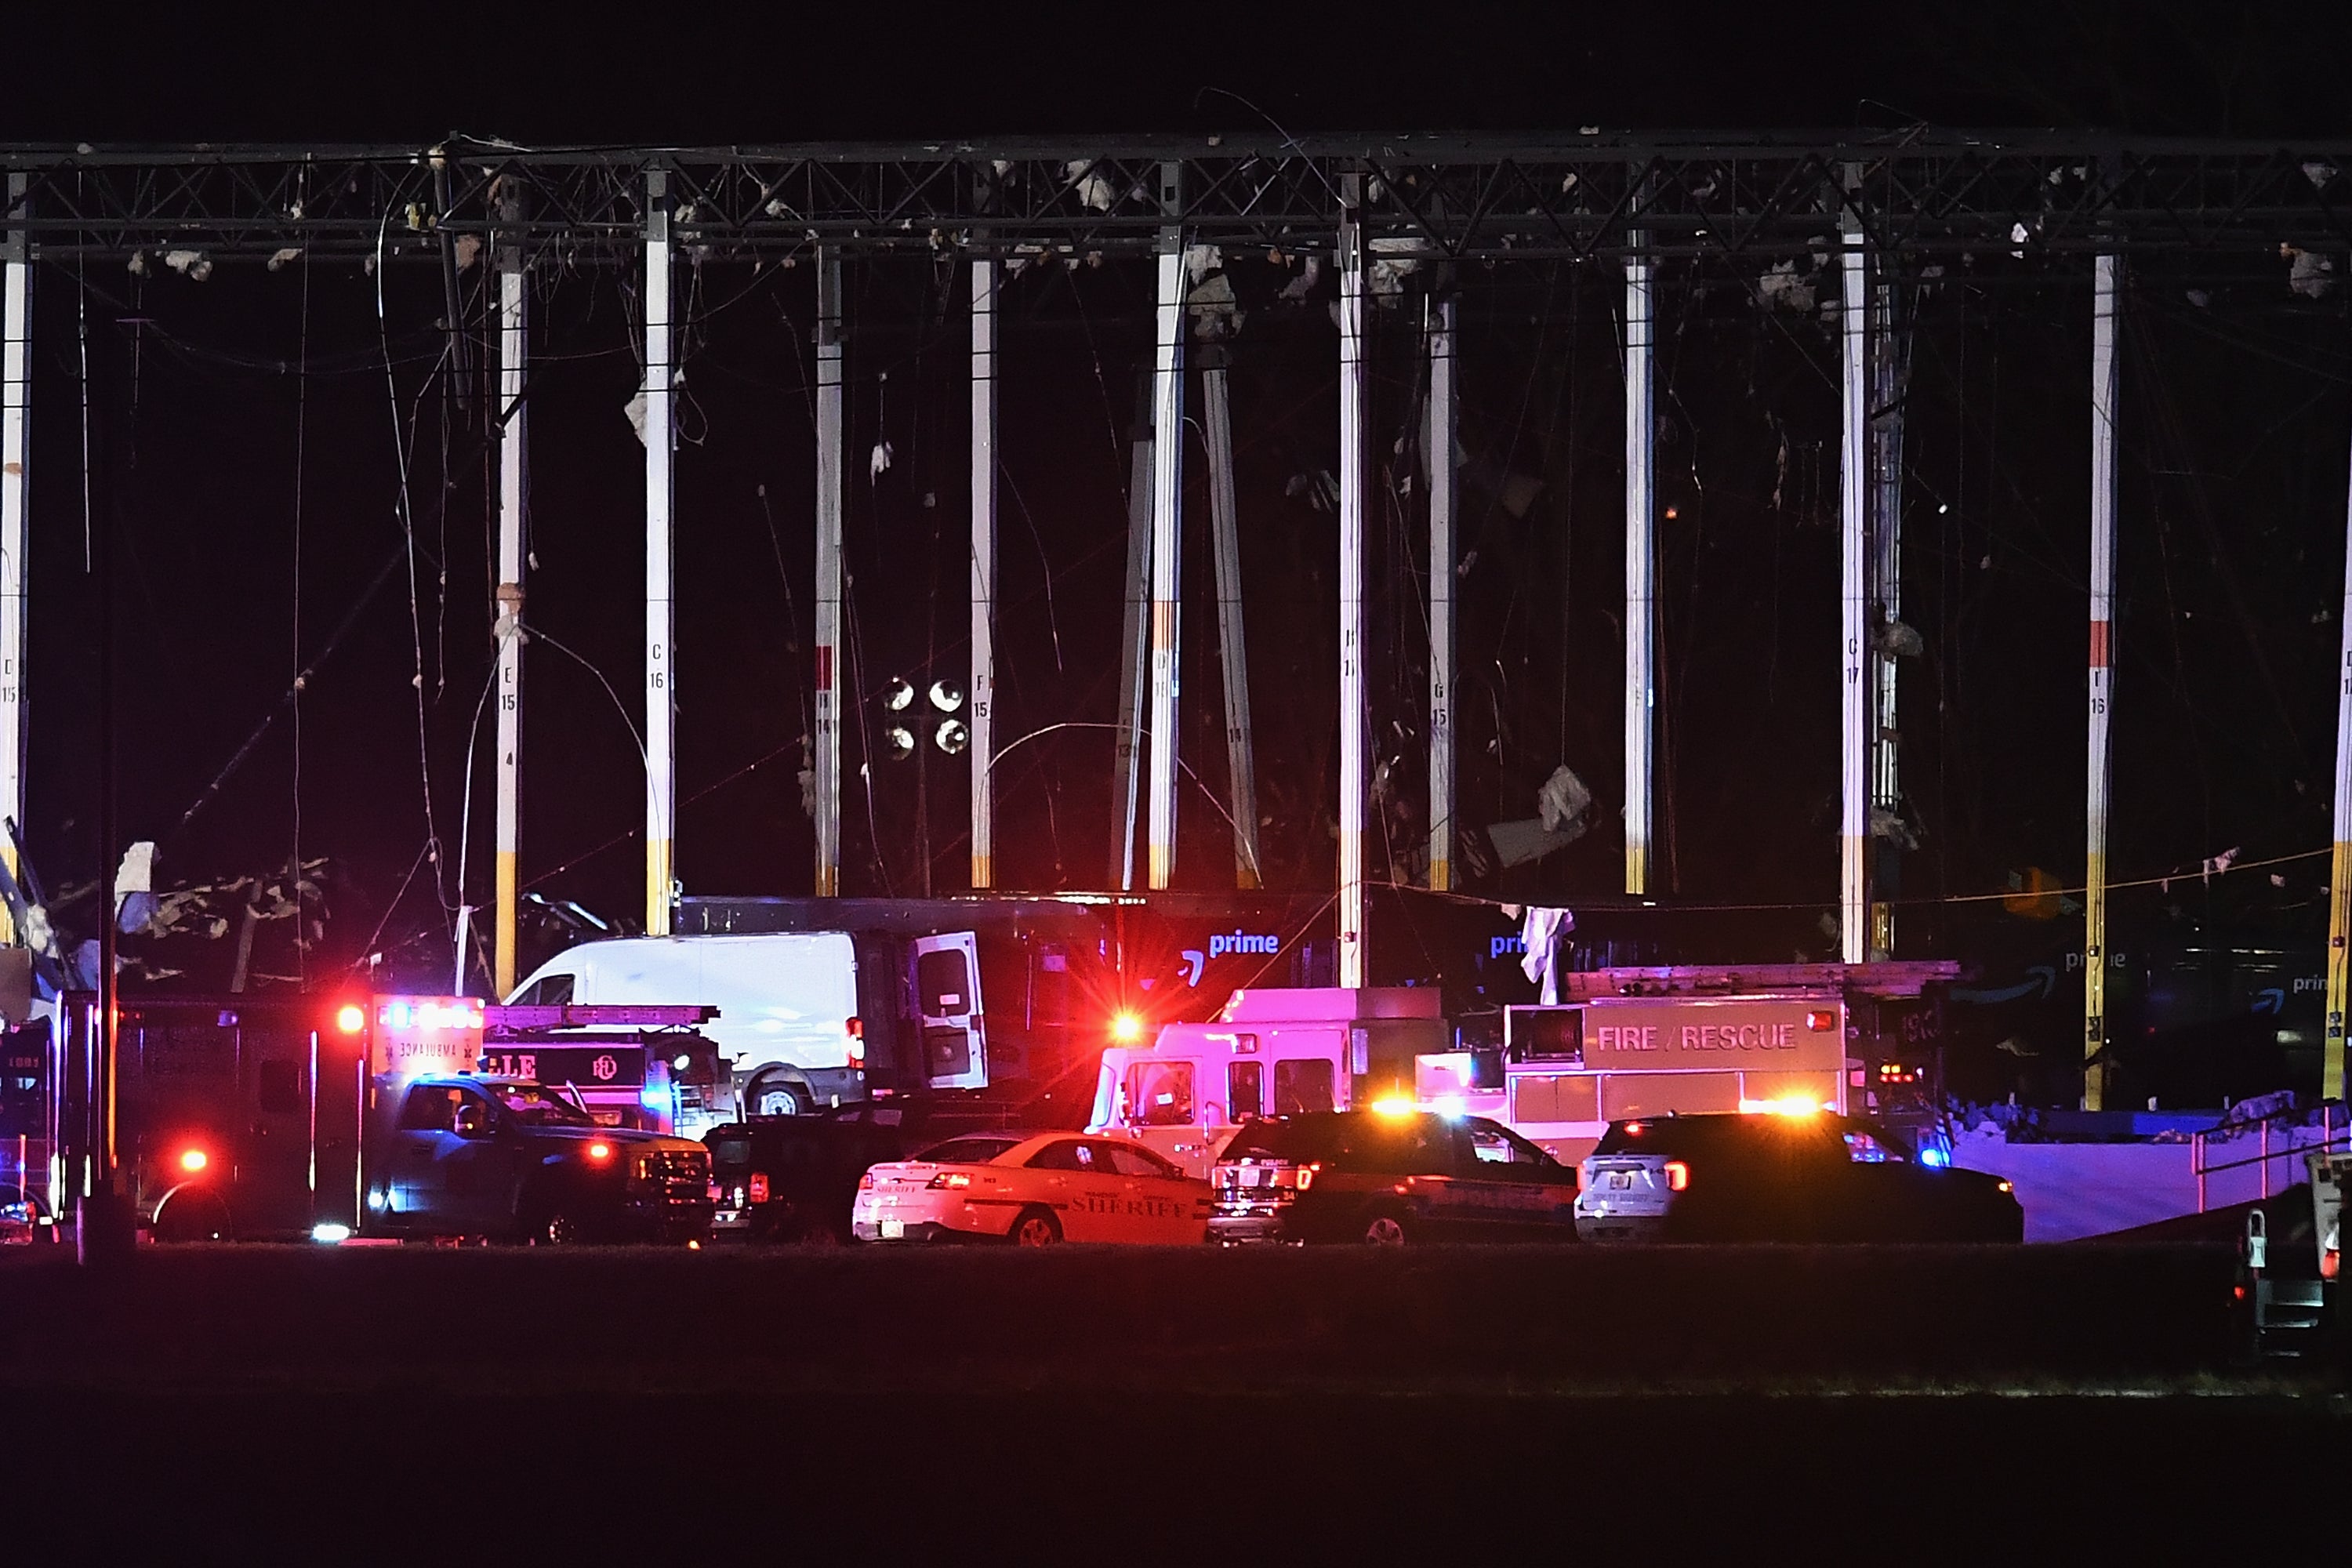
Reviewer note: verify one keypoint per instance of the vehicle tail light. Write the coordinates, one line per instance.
(1822, 1020)
(1677, 1177)
(2330, 1263)
(865, 1182)
(856, 1028)
(600, 1151)
(948, 1179)
(757, 1188)
(2239, 1291)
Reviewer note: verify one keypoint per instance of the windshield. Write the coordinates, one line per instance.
(729, 1151)
(536, 1106)
(966, 1151)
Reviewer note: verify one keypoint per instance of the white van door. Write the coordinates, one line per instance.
(946, 1000)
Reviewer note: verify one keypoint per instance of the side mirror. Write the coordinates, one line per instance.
(473, 1121)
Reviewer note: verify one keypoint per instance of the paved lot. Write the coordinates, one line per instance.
(1142, 1405)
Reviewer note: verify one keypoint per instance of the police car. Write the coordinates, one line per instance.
(1792, 1176)
(1032, 1189)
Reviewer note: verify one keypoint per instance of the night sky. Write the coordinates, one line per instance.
(2237, 420)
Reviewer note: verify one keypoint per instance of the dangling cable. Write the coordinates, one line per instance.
(408, 533)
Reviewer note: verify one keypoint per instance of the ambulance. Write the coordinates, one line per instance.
(1268, 1052)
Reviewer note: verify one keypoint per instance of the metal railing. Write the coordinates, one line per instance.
(2199, 1143)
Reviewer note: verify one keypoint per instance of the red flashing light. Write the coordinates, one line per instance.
(1822, 1020)
(600, 1151)
(857, 1027)
(351, 1018)
(2239, 1291)
(1635, 1129)
(947, 1179)
(193, 1160)
(1677, 1177)
(756, 1189)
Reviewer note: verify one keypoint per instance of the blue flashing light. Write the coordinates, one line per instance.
(655, 1096)
(1934, 1157)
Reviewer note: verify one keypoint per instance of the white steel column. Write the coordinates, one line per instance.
(1166, 554)
(1889, 370)
(1353, 741)
(828, 761)
(2106, 276)
(2339, 881)
(16, 455)
(1854, 512)
(1232, 645)
(1439, 439)
(512, 422)
(661, 783)
(1641, 561)
(983, 571)
(1135, 651)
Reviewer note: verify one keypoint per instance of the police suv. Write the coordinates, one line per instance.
(1795, 1176)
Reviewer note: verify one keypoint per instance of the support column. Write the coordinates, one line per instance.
(1890, 371)
(16, 455)
(661, 782)
(983, 572)
(1167, 551)
(1135, 650)
(1641, 561)
(513, 420)
(2106, 276)
(827, 760)
(1854, 513)
(1232, 645)
(1439, 442)
(1353, 740)
(2339, 881)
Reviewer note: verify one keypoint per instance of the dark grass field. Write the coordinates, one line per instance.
(259, 1403)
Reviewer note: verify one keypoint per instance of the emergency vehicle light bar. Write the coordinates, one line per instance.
(575, 1015)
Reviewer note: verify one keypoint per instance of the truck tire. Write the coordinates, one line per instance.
(558, 1228)
(1035, 1226)
(191, 1215)
(1385, 1228)
(771, 1095)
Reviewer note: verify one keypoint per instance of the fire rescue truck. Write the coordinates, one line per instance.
(254, 1117)
(1627, 1042)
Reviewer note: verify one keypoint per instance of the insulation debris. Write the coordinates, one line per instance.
(1783, 288)
(1562, 802)
(1200, 261)
(1215, 312)
(878, 463)
(1092, 185)
(1320, 488)
(1898, 640)
(193, 264)
(2318, 175)
(2309, 274)
(467, 249)
(280, 257)
(1889, 827)
(1306, 283)
(1390, 270)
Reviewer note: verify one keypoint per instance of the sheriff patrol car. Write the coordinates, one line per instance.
(1032, 1189)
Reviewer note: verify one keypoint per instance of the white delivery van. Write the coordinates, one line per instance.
(787, 1027)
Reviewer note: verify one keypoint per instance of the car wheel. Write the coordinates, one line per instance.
(1385, 1230)
(1035, 1227)
(821, 1235)
(560, 1228)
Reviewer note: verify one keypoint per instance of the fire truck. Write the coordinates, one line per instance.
(257, 1117)
(1627, 1042)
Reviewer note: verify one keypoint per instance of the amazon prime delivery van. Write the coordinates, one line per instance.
(788, 1027)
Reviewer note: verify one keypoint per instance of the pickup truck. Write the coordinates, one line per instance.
(510, 1159)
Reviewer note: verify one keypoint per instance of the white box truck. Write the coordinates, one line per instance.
(787, 1030)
